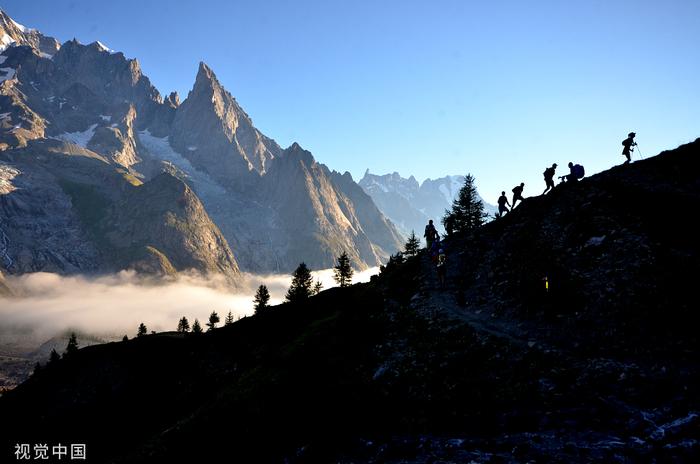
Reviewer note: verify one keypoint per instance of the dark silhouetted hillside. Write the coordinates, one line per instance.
(600, 367)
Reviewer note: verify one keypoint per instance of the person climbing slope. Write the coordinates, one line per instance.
(502, 202)
(430, 234)
(549, 177)
(576, 172)
(518, 193)
(441, 267)
(629, 145)
(435, 250)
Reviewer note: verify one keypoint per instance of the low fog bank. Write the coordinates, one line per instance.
(114, 305)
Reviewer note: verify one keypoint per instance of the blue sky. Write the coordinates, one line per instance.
(499, 89)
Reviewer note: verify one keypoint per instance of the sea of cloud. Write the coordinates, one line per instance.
(47, 305)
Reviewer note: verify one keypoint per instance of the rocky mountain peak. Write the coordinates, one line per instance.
(297, 152)
(13, 33)
(211, 120)
(173, 100)
(205, 75)
(9, 25)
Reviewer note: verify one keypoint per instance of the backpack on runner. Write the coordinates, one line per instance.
(578, 171)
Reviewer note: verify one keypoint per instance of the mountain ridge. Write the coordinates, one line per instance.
(410, 204)
(99, 103)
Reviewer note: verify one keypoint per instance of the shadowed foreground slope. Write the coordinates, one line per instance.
(601, 367)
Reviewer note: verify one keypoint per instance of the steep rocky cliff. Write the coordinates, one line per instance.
(102, 107)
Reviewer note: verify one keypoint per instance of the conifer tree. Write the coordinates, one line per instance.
(196, 327)
(342, 272)
(183, 326)
(467, 209)
(54, 357)
(301, 284)
(448, 222)
(262, 298)
(142, 330)
(318, 286)
(125, 338)
(412, 245)
(229, 319)
(213, 320)
(72, 346)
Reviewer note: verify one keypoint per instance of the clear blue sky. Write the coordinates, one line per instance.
(500, 89)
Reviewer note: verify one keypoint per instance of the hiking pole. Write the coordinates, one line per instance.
(639, 151)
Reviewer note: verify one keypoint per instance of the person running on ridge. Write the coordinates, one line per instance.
(430, 234)
(502, 202)
(518, 193)
(629, 145)
(549, 177)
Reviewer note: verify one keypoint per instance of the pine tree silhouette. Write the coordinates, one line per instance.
(342, 272)
(183, 325)
(213, 320)
(72, 346)
(262, 298)
(142, 330)
(467, 209)
(54, 357)
(301, 284)
(196, 327)
(229, 319)
(412, 245)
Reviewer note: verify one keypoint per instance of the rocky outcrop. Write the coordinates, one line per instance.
(110, 76)
(320, 219)
(162, 222)
(218, 137)
(12, 33)
(69, 210)
(117, 141)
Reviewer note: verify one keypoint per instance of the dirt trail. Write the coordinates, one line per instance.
(442, 302)
(436, 302)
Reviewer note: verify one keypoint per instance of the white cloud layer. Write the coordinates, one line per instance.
(114, 305)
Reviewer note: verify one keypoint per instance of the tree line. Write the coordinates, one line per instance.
(302, 287)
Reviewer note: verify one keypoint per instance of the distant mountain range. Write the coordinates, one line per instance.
(408, 204)
(100, 172)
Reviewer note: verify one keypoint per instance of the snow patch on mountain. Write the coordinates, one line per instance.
(22, 28)
(9, 73)
(104, 48)
(5, 42)
(159, 147)
(78, 138)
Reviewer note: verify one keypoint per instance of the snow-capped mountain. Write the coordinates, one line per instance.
(408, 204)
(85, 139)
